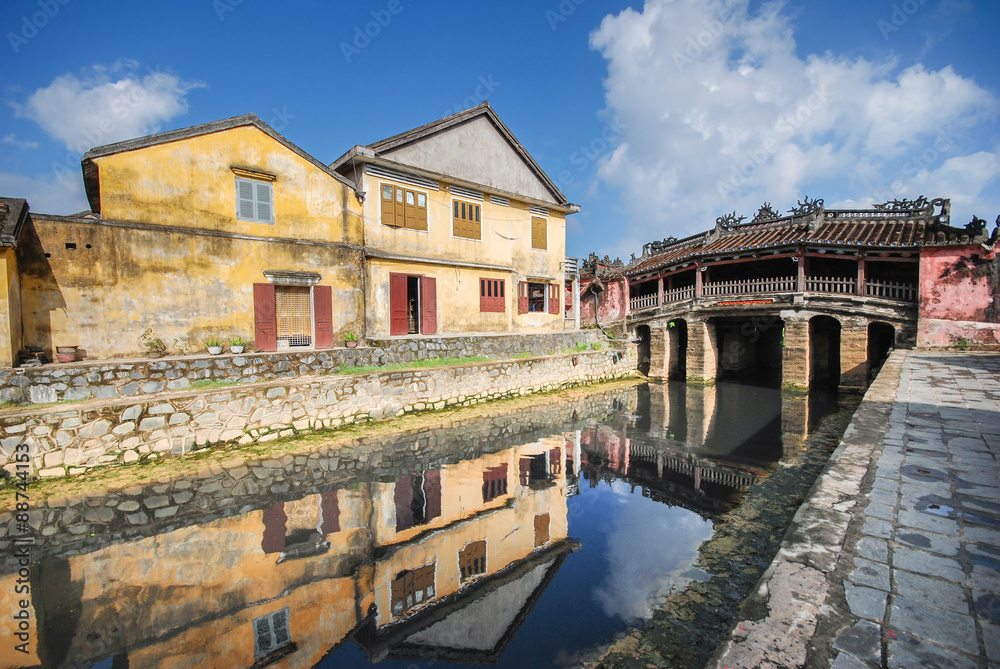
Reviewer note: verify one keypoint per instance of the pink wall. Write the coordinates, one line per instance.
(611, 303)
(959, 296)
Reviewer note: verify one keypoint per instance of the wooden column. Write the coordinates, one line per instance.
(697, 279)
(659, 291)
(861, 275)
(800, 284)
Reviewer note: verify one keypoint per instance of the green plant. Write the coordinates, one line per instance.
(151, 342)
(597, 346)
(212, 341)
(350, 336)
(210, 383)
(237, 341)
(580, 346)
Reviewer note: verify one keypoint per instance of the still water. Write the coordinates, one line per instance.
(528, 538)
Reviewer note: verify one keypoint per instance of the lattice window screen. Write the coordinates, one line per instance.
(293, 308)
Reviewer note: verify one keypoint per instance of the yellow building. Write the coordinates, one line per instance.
(222, 229)
(464, 232)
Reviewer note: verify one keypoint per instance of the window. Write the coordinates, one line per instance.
(412, 588)
(541, 529)
(254, 201)
(465, 219)
(286, 316)
(491, 295)
(417, 499)
(270, 632)
(403, 207)
(472, 560)
(539, 233)
(494, 482)
(536, 297)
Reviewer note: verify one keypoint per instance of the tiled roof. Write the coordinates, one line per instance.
(865, 229)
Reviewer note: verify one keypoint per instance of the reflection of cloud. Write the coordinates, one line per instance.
(649, 547)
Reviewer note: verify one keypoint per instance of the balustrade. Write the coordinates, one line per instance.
(830, 284)
(891, 290)
(784, 284)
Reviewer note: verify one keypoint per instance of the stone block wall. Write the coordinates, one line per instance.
(111, 379)
(71, 439)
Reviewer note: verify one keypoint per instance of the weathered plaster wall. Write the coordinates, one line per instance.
(10, 308)
(73, 438)
(612, 303)
(134, 378)
(120, 280)
(959, 296)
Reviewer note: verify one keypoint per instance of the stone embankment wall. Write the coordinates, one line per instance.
(71, 439)
(110, 379)
(81, 523)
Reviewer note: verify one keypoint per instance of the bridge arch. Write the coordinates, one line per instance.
(644, 337)
(881, 341)
(824, 352)
(677, 340)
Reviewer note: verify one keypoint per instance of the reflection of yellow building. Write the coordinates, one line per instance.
(286, 584)
(464, 232)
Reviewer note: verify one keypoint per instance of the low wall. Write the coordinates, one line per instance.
(71, 439)
(109, 379)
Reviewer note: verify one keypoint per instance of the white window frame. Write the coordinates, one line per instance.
(482, 215)
(269, 619)
(263, 212)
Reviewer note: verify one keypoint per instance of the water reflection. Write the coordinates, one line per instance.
(422, 547)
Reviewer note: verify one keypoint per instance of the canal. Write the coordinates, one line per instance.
(526, 537)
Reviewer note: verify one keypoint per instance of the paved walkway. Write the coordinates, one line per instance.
(894, 559)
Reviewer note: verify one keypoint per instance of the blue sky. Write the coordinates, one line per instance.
(656, 117)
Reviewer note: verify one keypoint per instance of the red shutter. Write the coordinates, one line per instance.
(522, 297)
(397, 304)
(428, 305)
(265, 322)
(432, 493)
(273, 540)
(330, 509)
(553, 298)
(402, 497)
(323, 308)
(484, 300)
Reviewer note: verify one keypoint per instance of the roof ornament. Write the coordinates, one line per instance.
(977, 226)
(765, 214)
(600, 266)
(806, 207)
(919, 204)
(652, 248)
(728, 222)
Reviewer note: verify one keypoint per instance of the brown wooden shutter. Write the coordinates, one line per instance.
(421, 213)
(265, 321)
(553, 298)
(397, 304)
(402, 497)
(323, 305)
(398, 211)
(428, 305)
(388, 205)
(410, 208)
(522, 297)
(541, 529)
(539, 236)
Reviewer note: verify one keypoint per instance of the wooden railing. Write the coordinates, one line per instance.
(644, 302)
(891, 290)
(678, 294)
(829, 284)
(784, 284)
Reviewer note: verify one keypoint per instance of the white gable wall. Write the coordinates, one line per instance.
(476, 152)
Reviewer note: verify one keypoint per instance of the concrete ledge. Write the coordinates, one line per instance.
(782, 615)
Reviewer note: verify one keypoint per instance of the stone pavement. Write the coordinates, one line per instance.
(894, 559)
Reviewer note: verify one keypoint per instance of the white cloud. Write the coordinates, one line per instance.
(721, 113)
(12, 140)
(60, 193)
(107, 105)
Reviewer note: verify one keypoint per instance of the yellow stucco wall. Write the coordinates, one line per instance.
(10, 308)
(194, 278)
(505, 245)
